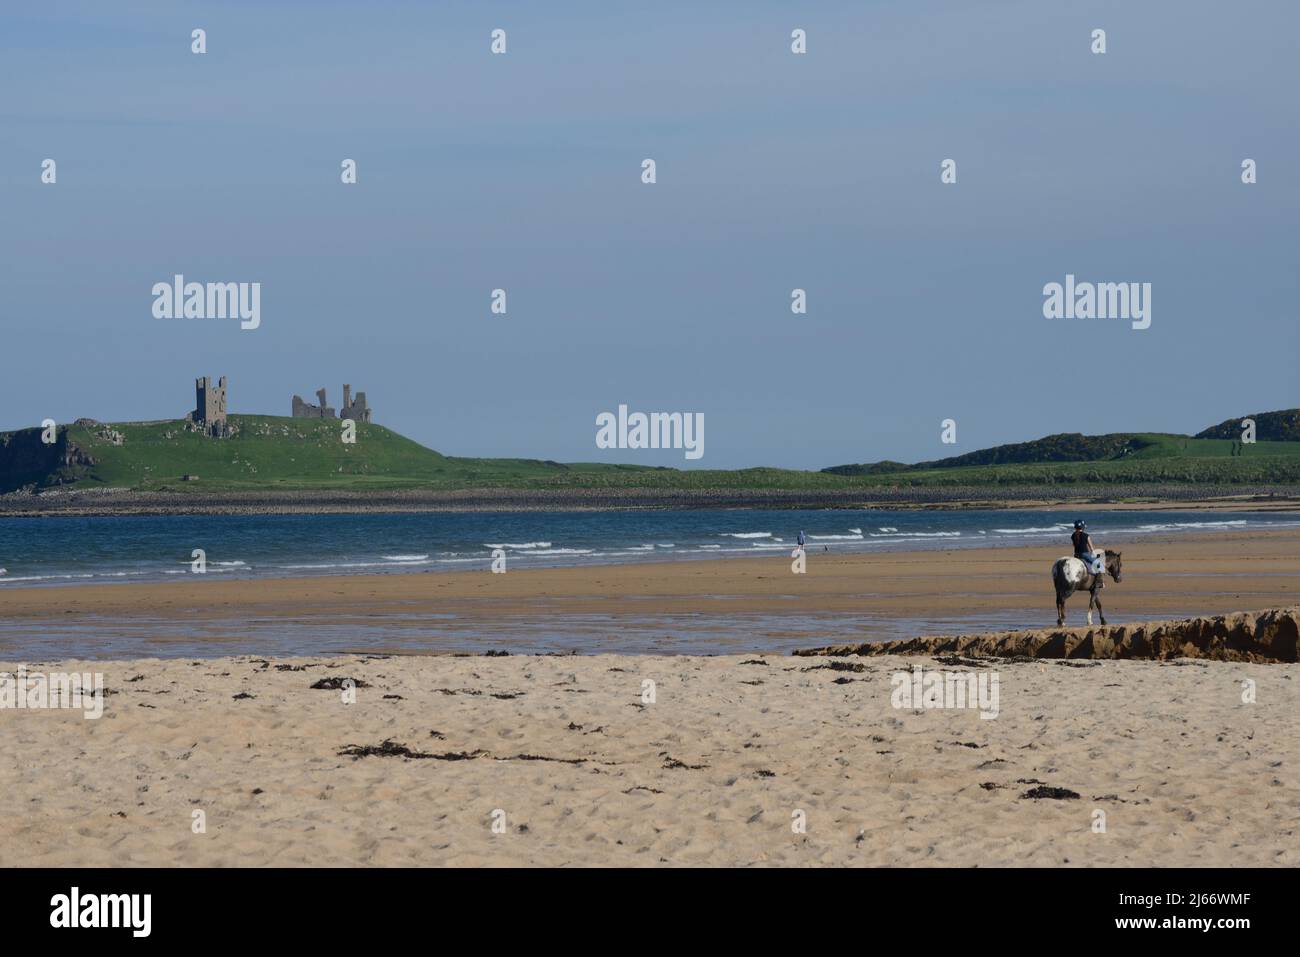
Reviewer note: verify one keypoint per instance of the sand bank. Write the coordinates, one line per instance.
(1271, 635)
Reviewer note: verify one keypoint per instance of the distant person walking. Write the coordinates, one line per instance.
(801, 539)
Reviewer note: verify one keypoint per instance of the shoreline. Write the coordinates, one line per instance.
(84, 503)
(738, 604)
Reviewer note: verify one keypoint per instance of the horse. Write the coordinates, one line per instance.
(1072, 574)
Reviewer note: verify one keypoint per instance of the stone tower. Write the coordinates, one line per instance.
(356, 411)
(210, 406)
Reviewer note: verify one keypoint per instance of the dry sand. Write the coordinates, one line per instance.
(712, 772)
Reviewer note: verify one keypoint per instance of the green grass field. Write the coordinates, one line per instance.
(271, 452)
(1142, 457)
(279, 453)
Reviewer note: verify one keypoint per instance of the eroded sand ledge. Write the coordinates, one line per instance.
(1262, 636)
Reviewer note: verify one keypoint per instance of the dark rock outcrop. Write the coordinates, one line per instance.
(26, 461)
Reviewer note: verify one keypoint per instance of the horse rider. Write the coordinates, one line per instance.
(1083, 549)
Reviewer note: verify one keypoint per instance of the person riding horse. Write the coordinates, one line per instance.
(1068, 577)
(1083, 549)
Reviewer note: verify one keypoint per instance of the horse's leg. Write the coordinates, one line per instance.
(1092, 601)
(1096, 596)
(1060, 610)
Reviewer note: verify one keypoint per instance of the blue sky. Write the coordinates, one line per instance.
(775, 171)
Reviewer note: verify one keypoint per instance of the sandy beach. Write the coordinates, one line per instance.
(575, 767)
(738, 759)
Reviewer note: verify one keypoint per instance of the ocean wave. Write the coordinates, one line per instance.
(746, 534)
(73, 577)
(317, 565)
(404, 558)
(522, 545)
(836, 538)
(562, 551)
(1034, 529)
(886, 528)
(45, 578)
(907, 535)
(1165, 526)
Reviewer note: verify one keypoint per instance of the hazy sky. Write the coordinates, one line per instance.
(775, 171)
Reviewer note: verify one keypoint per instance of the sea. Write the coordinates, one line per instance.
(71, 550)
(46, 552)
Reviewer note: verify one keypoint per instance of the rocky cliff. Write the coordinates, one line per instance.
(26, 461)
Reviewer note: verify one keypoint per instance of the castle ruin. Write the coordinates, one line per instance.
(305, 410)
(354, 409)
(209, 415)
(210, 407)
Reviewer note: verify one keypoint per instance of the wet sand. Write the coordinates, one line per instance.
(759, 602)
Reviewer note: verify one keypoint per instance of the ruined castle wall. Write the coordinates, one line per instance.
(355, 409)
(306, 410)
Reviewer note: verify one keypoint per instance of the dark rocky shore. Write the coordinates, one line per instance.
(129, 502)
(84, 502)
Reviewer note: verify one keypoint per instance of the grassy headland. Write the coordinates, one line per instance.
(269, 457)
